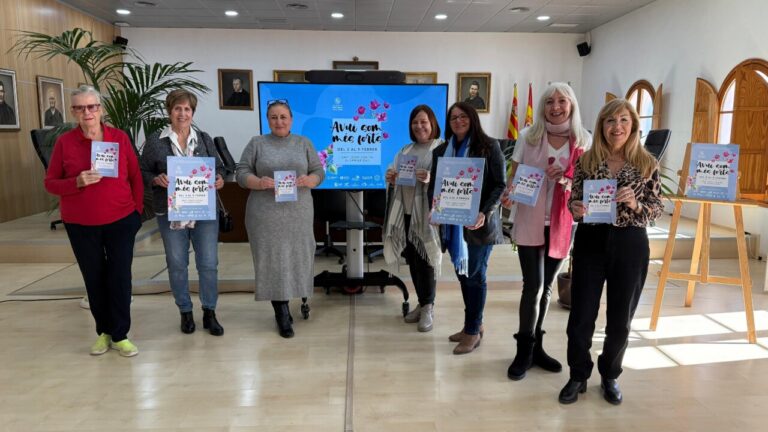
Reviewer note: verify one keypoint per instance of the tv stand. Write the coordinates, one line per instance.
(352, 279)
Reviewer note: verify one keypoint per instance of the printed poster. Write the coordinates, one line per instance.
(713, 172)
(285, 186)
(406, 170)
(458, 186)
(528, 181)
(105, 158)
(191, 191)
(600, 201)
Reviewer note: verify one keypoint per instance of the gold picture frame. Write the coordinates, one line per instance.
(229, 98)
(355, 65)
(9, 103)
(482, 100)
(420, 77)
(288, 76)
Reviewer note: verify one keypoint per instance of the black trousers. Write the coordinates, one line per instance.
(617, 257)
(539, 271)
(422, 274)
(104, 254)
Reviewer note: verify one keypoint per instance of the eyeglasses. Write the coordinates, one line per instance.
(459, 117)
(89, 107)
(277, 101)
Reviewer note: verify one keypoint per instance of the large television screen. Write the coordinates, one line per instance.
(356, 128)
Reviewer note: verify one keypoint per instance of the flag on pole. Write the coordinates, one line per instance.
(529, 109)
(512, 128)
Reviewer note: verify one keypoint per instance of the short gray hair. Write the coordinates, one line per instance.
(86, 90)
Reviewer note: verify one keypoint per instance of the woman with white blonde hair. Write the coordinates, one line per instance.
(543, 231)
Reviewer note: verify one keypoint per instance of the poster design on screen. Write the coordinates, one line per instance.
(406, 170)
(191, 193)
(457, 190)
(600, 201)
(285, 186)
(105, 158)
(713, 172)
(528, 180)
(358, 140)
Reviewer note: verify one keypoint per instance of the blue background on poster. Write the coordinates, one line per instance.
(203, 167)
(315, 106)
(713, 172)
(464, 177)
(533, 176)
(607, 191)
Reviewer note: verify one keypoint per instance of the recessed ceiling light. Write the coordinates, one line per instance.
(563, 25)
(543, 17)
(441, 16)
(231, 13)
(519, 9)
(121, 24)
(145, 4)
(337, 15)
(123, 11)
(297, 6)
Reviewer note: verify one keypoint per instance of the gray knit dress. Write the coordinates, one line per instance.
(280, 233)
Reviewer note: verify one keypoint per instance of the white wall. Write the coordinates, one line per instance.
(673, 42)
(509, 57)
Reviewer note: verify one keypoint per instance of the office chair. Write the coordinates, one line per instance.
(44, 150)
(656, 142)
(226, 158)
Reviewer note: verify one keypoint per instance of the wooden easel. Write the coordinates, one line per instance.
(701, 251)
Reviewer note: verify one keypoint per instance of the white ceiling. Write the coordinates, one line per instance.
(366, 15)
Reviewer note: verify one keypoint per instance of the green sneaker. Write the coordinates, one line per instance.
(125, 347)
(102, 344)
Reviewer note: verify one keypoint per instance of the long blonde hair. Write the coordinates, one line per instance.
(635, 154)
(539, 127)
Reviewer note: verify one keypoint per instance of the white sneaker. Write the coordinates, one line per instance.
(413, 316)
(425, 321)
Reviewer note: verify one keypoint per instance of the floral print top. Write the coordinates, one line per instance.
(647, 192)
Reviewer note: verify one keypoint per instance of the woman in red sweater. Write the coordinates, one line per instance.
(101, 216)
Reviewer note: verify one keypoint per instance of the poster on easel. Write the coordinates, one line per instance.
(458, 185)
(713, 172)
(191, 192)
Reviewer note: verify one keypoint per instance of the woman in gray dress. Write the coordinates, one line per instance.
(280, 233)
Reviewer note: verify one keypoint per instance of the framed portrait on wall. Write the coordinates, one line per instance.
(288, 76)
(421, 77)
(9, 101)
(355, 65)
(474, 88)
(50, 98)
(236, 89)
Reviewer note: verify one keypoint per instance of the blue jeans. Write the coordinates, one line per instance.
(474, 288)
(204, 238)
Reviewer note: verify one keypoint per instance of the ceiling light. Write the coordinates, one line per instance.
(121, 24)
(145, 4)
(543, 17)
(231, 13)
(123, 11)
(297, 6)
(519, 9)
(564, 25)
(337, 15)
(441, 16)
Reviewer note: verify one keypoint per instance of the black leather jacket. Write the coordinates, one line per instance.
(493, 186)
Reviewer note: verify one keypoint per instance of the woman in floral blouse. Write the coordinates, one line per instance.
(614, 253)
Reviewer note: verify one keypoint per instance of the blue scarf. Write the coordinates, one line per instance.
(453, 235)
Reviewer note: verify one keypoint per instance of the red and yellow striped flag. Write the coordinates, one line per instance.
(512, 128)
(529, 109)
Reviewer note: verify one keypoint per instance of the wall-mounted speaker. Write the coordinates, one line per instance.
(119, 40)
(354, 77)
(584, 49)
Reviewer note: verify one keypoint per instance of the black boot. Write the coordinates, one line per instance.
(541, 359)
(523, 359)
(211, 323)
(283, 318)
(187, 323)
(611, 391)
(570, 393)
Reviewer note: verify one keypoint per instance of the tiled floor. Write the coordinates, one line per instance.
(354, 365)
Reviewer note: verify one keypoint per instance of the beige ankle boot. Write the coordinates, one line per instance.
(414, 315)
(468, 344)
(425, 321)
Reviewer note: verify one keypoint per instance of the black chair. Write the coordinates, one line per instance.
(43, 148)
(656, 142)
(226, 158)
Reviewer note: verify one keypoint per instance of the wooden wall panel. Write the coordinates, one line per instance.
(21, 173)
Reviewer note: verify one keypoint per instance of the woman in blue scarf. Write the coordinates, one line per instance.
(470, 246)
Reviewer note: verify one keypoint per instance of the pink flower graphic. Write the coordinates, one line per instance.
(470, 169)
(461, 172)
(382, 117)
(475, 189)
(474, 177)
(194, 171)
(356, 118)
(385, 135)
(386, 105)
(375, 104)
(202, 167)
(726, 154)
(361, 110)
(717, 156)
